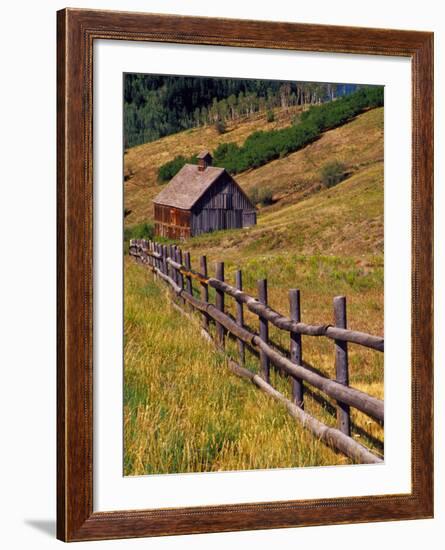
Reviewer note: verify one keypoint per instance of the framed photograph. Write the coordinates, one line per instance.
(245, 227)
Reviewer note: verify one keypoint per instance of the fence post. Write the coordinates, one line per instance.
(219, 303)
(264, 330)
(240, 316)
(155, 260)
(176, 258)
(296, 350)
(164, 255)
(160, 259)
(175, 251)
(159, 251)
(341, 365)
(188, 266)
(149, 258)
(179, 261)
(170, 255)
(204, 291)
(142, 251)
(147, 252)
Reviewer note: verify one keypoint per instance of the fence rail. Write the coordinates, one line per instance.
(280, 321)
(174, 267)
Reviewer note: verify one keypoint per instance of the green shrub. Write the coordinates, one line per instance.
(172, 167)
(140, 231)
(220, 126)
(262, 147)
(270, 117)
(332, 173)
(265, 196)
(338, 112)
(254, 196)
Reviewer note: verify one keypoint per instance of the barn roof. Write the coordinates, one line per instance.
(188, 186)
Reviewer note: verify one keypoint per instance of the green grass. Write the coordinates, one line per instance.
(139, 231)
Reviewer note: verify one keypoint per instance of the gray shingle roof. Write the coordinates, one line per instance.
(188, 186)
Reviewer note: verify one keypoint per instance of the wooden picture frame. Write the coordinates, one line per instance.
(77, 31)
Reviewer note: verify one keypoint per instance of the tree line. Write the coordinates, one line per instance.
(160, 105)
(263, 146)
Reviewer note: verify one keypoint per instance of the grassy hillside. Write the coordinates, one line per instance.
(326, 242)
(184, 411)
(358, 145)
(141, 163)
(344, 220)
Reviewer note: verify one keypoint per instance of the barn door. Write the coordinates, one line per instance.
(249, 218)
(173, 216)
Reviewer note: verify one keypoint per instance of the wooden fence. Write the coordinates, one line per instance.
(174, 267)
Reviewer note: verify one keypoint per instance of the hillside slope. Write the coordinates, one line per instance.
(324, 242)
(301, 204)
(141, 163)
(357, 144)
(346, 220)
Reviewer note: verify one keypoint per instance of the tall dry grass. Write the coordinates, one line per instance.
(186, 412)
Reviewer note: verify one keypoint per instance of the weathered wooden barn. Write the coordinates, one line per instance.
(199, 199)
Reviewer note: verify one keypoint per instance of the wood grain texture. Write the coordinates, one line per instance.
(296, 347)
(264, 331)
(240, 318)
(342, 364)
(61, 305)
(77, 30)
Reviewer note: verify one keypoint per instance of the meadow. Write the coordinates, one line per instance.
(184, 410)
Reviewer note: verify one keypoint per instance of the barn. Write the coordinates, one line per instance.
(199, 199)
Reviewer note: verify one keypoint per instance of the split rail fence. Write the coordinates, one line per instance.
(174, 267)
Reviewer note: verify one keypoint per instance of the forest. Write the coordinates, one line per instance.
(263, 146)
(159, 105)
